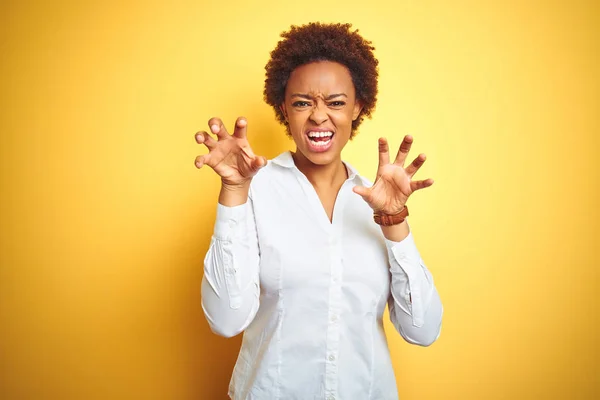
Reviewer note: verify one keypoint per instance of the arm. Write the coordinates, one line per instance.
(230, 285)
(415, 306)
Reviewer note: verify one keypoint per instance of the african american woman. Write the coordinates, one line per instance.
(306, 252)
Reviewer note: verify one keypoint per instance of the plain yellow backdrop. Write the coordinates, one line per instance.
(105, 220)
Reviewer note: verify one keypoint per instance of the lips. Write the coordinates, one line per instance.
(320, 140)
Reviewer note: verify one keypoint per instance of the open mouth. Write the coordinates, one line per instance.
(319, 139)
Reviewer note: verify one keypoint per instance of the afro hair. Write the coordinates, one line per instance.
(317, 41)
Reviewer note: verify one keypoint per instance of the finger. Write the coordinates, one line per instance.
(258, 163)
(217, 127)
(201, 160)
(384, 152)
(248, 153)
(204, 138)
(240, 128)
(416, 164)
(403, 150)
(416, 185)
(364, 192)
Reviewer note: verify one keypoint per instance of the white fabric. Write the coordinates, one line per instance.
(310, 294)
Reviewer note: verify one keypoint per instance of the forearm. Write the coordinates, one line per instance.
(230, 292)
(230, 285)
(396, 233)
(415, 306)
(231, 196)
(422, 329)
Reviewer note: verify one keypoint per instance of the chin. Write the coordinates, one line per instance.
(324, 158)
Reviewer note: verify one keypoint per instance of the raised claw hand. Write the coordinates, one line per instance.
(393, 184)
(230, 156)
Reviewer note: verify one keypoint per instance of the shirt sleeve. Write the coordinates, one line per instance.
(230, 285)
(415, 305)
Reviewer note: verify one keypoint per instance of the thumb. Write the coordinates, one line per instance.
(258, 162)
(362, 191)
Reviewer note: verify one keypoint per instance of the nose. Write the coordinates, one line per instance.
(318, 115)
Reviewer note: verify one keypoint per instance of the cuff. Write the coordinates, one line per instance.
(406, 253)
(408, 263)
(228, 220)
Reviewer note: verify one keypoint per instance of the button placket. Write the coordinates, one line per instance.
(333, 333)
(335, 296)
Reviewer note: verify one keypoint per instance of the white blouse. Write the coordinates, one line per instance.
(310, 294)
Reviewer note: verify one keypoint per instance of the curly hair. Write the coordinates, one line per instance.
(317, 41)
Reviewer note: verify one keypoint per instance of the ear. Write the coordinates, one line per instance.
(283, 111)
(357, 109)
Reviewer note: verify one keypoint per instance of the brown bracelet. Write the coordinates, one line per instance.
(388, 220)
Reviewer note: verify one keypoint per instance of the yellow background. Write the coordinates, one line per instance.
(105, 220)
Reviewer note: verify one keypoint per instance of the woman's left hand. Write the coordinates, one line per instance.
(393, 185)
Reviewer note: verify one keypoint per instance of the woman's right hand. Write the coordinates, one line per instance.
(230, 156)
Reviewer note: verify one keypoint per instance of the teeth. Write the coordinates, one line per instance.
(320, 134)
(321, 144)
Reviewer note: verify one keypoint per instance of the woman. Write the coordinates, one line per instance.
(306, 253)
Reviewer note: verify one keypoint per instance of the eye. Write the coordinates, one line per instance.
(301, 104)
(337, 103)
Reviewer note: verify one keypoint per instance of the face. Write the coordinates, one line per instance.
(319, 106)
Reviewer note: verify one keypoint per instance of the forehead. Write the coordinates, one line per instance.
(322, 77)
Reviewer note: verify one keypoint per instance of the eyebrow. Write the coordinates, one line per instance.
(331, 96)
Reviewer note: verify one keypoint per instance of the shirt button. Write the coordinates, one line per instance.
(331, 398)
(331, 357)
(333, 318)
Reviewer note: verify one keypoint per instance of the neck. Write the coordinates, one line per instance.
(321, 176)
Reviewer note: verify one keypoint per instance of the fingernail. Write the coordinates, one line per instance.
(214, 128)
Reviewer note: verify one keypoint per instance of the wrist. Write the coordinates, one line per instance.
(232, 195)
(396, 233)
(384, 219)
(393, 226)
(235, 187)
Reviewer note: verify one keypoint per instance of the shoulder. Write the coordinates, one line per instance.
(277, 169)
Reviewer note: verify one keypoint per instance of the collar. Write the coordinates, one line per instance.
(286, 160)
